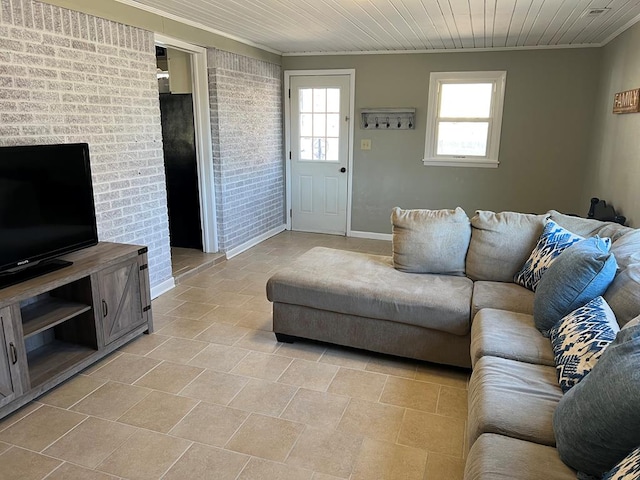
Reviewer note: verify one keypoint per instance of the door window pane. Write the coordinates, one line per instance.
(470, 100)
(333, 125)
(306, 124)
(333, 100)
(305, 148)
(306, 100)
(319, 149)
(319, 99)
(333, 145)
(462, 138)
(319, 126)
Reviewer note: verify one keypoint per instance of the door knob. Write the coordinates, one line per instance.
(343, 169)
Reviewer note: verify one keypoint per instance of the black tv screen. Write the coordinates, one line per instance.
(46, 203)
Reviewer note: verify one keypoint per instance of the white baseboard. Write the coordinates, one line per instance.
(371, 235)
(254, 241)
(163, 287)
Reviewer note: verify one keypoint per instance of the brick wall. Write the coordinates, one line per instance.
(246, 123)
(69, 77)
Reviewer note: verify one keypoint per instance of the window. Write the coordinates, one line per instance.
(464, 117)
(319, 124)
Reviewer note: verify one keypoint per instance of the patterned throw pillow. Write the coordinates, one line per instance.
(579, 339)
(552, 242)
(627, 469)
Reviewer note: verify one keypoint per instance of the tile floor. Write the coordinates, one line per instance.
(212, 395)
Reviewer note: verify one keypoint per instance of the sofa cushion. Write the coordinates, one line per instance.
(597, 422)
(552, 242)
(502, 296)
(500, 333)
(501, 243)
(512, 398)
(496, 457)
(627, 469)
(579, 274)
(623, 295)
(632, 323)
(579, 339)
(368, 286)
(588, 227)
(430, 241)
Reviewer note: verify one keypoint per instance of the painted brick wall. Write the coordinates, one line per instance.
(246, 123)
(69, 77)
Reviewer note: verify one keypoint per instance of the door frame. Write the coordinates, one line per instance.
(202, 125)
(351, 73)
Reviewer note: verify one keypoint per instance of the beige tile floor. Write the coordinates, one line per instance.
(212, 395)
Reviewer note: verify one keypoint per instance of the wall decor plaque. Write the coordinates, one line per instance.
(627, 102)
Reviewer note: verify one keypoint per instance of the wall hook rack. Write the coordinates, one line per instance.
(384, 118)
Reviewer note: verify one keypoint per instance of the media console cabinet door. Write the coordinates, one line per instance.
(120, 309)
(8, 358)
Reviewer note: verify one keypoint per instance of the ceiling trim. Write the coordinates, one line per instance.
(177, 18)
(622, 29)
(442, 50)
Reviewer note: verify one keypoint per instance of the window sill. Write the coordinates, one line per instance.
(460, 162)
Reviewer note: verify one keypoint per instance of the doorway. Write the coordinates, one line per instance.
(184, 106)
(319, 135)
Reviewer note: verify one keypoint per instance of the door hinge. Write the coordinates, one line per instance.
(143, 250)
(147, 308)
(289, 93)
(290, 213)
(144, 267)
(289, 155)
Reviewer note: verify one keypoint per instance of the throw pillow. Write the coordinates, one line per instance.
(597, 422)
(430, 241)
(624, 293)
(579, 339)
(553, 240)
(580, 273)
(500, 244)
(627, 469)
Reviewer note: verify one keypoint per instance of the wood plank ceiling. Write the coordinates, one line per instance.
(330, 26)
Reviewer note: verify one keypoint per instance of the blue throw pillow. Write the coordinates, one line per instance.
(553, 240)
(579, 274)
(579, 339)
(597, 422)
(627, 469)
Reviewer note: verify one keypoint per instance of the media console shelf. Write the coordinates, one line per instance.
(55, 325)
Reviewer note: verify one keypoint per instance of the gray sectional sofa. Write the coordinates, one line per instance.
(465, 312)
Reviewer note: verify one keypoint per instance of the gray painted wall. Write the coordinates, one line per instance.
(614, 167)
(545, 135)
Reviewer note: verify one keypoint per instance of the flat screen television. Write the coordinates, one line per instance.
(46, 208)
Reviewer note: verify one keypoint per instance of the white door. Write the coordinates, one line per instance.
(319, 153)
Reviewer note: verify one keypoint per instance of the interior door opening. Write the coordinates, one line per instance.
(178, 104)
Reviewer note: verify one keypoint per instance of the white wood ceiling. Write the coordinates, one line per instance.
(330, 26)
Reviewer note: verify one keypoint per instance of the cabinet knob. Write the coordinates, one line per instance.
(105, 309)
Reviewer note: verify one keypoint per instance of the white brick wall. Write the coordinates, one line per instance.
(69, 77)
(246, 123)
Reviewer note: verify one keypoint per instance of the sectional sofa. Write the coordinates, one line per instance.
(447, 295)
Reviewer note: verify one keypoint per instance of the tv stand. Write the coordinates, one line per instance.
(57, 324)
(32, 271)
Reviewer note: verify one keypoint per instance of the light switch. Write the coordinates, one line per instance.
(365, 144)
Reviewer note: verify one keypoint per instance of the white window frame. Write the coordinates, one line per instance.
(490, 160)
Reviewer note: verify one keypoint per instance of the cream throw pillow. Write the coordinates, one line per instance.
(430, 241)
